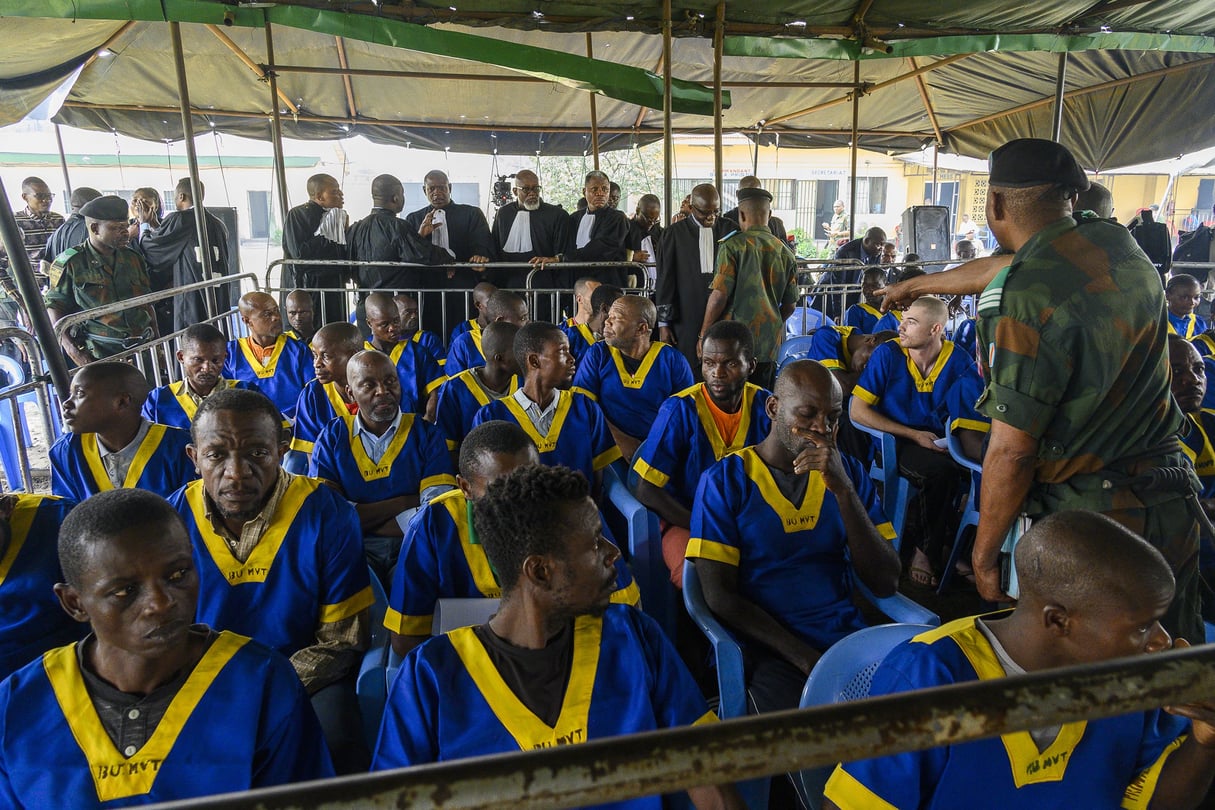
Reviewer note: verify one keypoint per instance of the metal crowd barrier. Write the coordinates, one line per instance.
(15, 397)
(548, 301)
(156, 358)
(747, 748)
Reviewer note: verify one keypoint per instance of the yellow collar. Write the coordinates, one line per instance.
(267, 370)
(793, 518)
(924, 384)
(637, 380)
(720, 448)
(147, 448)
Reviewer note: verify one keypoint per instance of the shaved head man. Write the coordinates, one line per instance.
(279, 365)
(303, 238)
(301, 315)
(1091, 591)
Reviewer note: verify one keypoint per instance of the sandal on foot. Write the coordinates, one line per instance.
(923, 576)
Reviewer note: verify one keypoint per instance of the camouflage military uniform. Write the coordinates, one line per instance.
(1073, 342)
(81, 278)
(757, 274)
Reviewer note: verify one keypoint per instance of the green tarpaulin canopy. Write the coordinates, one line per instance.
(514, 76)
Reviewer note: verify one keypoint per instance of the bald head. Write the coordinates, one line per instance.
(750, 181)
(387, 193)
(639, 309)
(251, 301)
(368, 363)
(481, 294)
(505, 305)
(807, 376)
(498, 344)
(1097, 199)
(1079, 559)
(380, 306)
(341, 335)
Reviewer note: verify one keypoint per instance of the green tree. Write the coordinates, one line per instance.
(638, 171)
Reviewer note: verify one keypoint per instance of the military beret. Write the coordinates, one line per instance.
(745, 194)
(1028, 162)
(108, 207)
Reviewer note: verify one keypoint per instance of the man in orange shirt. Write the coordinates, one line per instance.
(280, 365)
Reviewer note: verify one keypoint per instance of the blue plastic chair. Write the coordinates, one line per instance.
(371, 685)
(731, 676)
(897, 489)
(844, 673)
(644, 548)
(10, 458)
(794, 348)
(805, 320)
(970, 514)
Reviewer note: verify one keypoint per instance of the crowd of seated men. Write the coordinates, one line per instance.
(217, 537)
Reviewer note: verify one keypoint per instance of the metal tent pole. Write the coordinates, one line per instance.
(276, 130)
(668, 157)
(590, 54)
(67, 181)
(187, 128)
(718, 39)
(856, 120)
(1056, 127)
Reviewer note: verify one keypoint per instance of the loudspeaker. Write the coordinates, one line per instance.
(926, 232)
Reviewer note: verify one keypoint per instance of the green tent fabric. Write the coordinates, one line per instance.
(513, 76)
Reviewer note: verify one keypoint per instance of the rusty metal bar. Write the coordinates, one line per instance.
(346, 83)
(276, 132)
(745, 748)
(719, 35)
(854, 147)
(668, 147)
(590, 54)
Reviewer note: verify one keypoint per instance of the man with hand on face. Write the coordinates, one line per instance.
(407, 310)
(383, 461)
(1091, 591)
(301, 316)
(417, 370)
(558, 664)
(460, 231)
(204, 350)
(382, 236)
(462, 395)
(149, 707)
(696, 428)
(779, 529)
(596, 234)
(101, 271)
(645, 230)
(528, 230)
(279, 557)
(317, 230)
(629, 375)
(278, 364)
(687, 259)
(109, 444)
(326, 396)
(442, 557)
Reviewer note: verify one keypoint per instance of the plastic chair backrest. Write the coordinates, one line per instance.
(794, 348)
(451, 614)
(731, 683)
(12, 369)
(845, 671)
(805, 320)
(957, 454)
(644, 551)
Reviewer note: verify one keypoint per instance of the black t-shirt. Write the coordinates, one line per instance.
(537, 677)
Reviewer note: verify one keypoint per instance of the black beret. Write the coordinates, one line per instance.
(745, 194)
(108, 207)
(1028, 162)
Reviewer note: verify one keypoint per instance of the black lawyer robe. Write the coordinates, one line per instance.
(301, 242)
(609, 236)
(547, 226)
(171, 256)
(468, 235)
(682, 291)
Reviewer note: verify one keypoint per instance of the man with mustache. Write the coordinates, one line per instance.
(204, 350)
(527, 230)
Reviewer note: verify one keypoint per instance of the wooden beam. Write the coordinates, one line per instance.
(932, 116)
(108, 45)
(590, 54)
(869, 90)
(641, 113)
(249, 63)
(1096, 88)
(341, 52)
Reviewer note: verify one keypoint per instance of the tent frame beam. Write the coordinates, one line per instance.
(341, 53)
(719, 34)
(1083, 91)
(922, 86)
(590, 54)
(276, 134)
(257, 69)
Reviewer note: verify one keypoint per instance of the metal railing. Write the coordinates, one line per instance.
(737, 750)
(15, 397)
(548, 301)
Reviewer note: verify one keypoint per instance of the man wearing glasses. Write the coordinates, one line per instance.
(37, 222)
(527, 230)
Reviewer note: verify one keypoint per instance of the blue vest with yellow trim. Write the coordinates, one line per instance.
(1188, 326)
(464, 353)
(170, 405)
(431, 343)
(863, 318)
(306, 569)
(631, 401)
(580, 336)
(792, 560)
(241, 720)
(1196, 444)
(471, 325)
(417, 371)
(319, 403)
(441, 560)
(31, 618)
(1090, 764)
(281, 378)
(829, 346)
(578, 438)
(893, 385)
(160, 465)
(684, 441)
(459, 400)
(416, 458)
(450, 702)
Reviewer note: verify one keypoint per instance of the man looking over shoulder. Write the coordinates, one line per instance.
(317, 230)
(202, 355)
(1090, 591)
(467, 694)
(417, 369)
